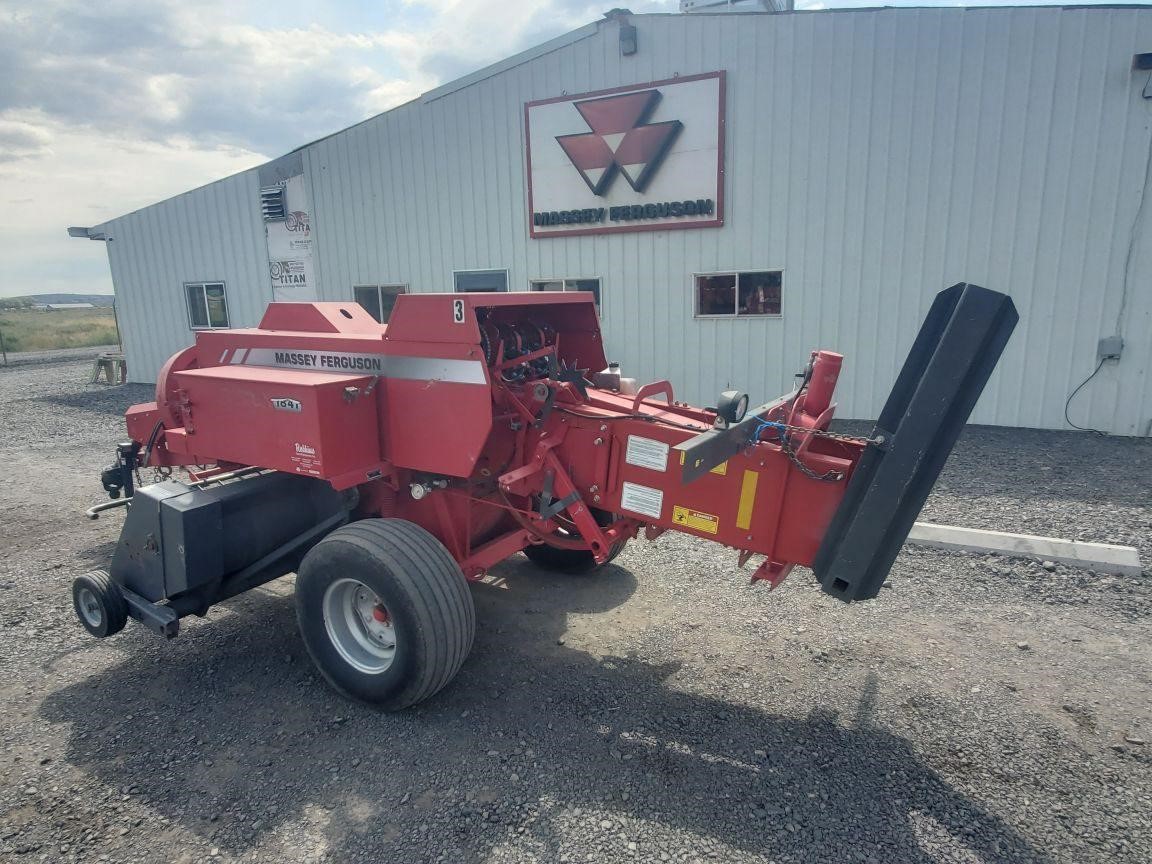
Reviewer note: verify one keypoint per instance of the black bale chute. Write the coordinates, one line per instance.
(951, 360)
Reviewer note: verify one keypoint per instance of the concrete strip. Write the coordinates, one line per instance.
(1101, 557)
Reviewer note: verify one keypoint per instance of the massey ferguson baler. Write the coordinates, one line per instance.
(388, 465)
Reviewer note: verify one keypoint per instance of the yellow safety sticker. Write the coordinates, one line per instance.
(721, 469)
(747, 500)
(695, 519)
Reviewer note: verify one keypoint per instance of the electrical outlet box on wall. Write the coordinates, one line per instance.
(1109, 348)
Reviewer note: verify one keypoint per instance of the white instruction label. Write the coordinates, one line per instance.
(642, 499)
(646, 453)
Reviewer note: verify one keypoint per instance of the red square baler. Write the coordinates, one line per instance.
(388, 465)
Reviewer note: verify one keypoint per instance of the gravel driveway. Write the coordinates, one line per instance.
(981, 710)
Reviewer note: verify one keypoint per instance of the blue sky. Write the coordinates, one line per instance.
(107, 107)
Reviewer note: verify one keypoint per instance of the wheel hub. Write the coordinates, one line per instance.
(90, 608)
(359, 626)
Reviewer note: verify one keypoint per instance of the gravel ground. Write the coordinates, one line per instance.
(980, 710)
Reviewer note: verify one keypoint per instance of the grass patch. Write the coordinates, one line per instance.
(30, 330)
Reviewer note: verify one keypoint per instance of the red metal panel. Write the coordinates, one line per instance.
(436, 426)
(348, 317)
(313, 423)
(228, 347)
(434, 318)
(740, 503)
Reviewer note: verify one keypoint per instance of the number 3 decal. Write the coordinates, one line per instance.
(458, 311)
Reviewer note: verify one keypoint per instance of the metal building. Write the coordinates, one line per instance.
(738, 189)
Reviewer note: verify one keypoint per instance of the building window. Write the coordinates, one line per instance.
(756, 293)
(207, 305)
(592, 285)
(378, 300)
(480, 280)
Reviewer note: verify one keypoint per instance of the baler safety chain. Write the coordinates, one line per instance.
(819, 433)
(828, 476)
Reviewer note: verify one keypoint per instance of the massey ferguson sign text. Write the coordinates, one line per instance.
(643, 158)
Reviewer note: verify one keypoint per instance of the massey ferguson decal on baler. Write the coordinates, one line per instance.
(387, 465)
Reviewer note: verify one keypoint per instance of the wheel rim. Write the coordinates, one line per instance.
(359, 626)
(89, 607)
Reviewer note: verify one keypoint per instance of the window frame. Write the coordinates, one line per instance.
(379, 286)
(734, 315)
(564, 280)
(503, 270)
(203, 286)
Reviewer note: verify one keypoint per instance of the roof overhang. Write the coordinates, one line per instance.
(87, 233)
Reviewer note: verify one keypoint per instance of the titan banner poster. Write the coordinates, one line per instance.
(290, 246)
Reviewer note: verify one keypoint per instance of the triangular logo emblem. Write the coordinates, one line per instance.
(621, 140)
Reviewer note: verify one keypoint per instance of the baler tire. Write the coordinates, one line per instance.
(100, 607)
(574, 562)
(425, 596)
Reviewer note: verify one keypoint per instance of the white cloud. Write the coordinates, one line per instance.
(21, 138)
(83, 176)
(108, 108)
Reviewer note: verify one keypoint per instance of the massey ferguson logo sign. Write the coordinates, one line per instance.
(647, 157)
(620, 141)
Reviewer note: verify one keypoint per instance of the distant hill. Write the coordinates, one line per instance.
(94, 299)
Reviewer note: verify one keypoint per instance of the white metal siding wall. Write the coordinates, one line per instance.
(875, 156)
(208, 234)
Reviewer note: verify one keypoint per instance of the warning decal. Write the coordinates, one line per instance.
(646, 453)
(642, 499)
(696, 520)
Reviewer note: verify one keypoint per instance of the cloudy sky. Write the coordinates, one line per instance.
(106, 107)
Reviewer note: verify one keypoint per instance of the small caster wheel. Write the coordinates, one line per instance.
(99, 604)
